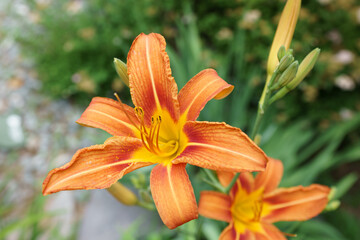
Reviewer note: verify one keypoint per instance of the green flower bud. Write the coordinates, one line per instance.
(285, 62)
(290, 51)
(286, 76)
(121, 70)
(281, 52)
(333, 205)
(305, 67)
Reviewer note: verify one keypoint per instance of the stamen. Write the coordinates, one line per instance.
(257, 210)
(158, 132)
(127, 115)
(149, 137)
(142, 138)
(140, 113)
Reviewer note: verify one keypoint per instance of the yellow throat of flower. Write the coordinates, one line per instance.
(164, 143)
(247, 210)
(164, 138)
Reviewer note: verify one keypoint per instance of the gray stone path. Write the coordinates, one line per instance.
(38, 134)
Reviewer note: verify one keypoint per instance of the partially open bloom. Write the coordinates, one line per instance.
(253, 204)
(284, 32)
(160, 130)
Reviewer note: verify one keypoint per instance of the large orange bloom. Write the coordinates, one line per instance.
(254, 204)
(160, 130)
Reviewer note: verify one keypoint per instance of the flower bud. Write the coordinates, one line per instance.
(286, 76)
(281, 52)
(284, 32)
(305, 67)
(285, 62)
(123, 194)
(121, 70)
(333, 205)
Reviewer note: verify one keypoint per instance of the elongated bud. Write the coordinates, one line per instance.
(121, 70)
(333, 205)
(281, 52)
(123, 194)
(285, 62)
(305, 67)
(284, 32)
(287, 75)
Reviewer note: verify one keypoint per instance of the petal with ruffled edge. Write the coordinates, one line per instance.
(219, 146)
(95, 167)
(173, 194)
(215, 205)
(151, 85)
(271, 177)
(109, 115)
(296, 203)
(199, 90)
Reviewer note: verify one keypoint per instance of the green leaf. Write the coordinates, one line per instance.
(316, 230)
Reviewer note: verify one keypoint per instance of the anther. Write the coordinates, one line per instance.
(123, 109)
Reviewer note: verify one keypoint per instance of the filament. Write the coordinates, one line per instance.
(150, 137)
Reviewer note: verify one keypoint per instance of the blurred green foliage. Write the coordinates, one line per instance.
(73, 44)
(315, 130)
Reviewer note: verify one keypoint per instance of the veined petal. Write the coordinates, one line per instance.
(271, 177)
(270, 232)
(199, 90)
(173, 194)
(108, 114)
(151, 85)
(229, 233)
(219, 146)
(95, 167)
(215, 205)
(296, 203)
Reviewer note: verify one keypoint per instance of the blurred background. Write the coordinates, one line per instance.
(56, 55)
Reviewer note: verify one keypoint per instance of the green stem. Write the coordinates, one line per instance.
(233, 181)
(263, 104)
(213, 181)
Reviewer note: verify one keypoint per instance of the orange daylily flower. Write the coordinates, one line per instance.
(160, 130)
(253, 204)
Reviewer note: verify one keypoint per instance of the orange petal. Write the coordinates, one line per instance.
(246, 181)
(98, 166)
(247, 235)
(225, 177)
(199, 90)
(296, 203)
(173, 194)
(151, 85)
(270, 232)
(108, 114)
(271, 177)
(219, 146)
(215, 205)
(229, 233)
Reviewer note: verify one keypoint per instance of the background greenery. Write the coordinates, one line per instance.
(315, 130)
